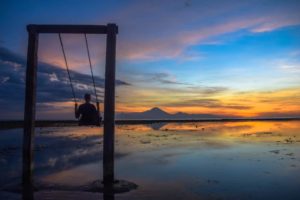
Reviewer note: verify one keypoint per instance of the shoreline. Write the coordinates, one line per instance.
(10, 124)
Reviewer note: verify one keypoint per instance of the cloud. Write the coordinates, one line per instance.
(208, 90)
(53, 84)
(295, 53)
(157, 79)
(74, 44)
(213, 100)
(155, 30)
(280, 114)
(209, 103)
(287, 17)
(164, 78)
(288, 64)
(165, 29)
(4, 79)
(290, 68)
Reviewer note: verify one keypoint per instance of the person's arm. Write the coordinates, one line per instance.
(94, 109)
(98, 106)
(77, 111)
(99, 118)
(96, 113)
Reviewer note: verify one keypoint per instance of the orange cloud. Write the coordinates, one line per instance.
(229, 103)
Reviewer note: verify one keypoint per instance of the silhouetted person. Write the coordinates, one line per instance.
(87, 112)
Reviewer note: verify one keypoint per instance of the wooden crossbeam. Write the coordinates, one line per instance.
(79, 29)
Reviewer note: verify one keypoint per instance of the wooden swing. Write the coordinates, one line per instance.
(34, 30)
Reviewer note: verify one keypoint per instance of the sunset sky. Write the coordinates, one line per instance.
(235, 57)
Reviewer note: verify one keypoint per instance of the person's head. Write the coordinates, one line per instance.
(87, 98)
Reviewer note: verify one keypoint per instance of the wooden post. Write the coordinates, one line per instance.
(109, 106)
(29, 114)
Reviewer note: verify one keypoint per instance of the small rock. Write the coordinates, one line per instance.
(275, 151)
(289, 154)
(145, 141)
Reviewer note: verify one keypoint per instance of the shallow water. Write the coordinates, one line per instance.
(205, 160)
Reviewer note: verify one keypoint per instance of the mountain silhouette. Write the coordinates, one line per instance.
(154, 112)
(157, 113)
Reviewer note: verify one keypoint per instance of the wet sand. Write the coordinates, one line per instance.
(196, 160)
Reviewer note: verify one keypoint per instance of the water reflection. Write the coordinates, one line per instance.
(157, 126)
(252, 154)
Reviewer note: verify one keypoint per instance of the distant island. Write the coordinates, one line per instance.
(157, 113)
(153, 115)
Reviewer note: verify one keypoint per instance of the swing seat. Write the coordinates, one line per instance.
(93, 122)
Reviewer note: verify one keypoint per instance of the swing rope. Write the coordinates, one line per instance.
(91, 67)
(67, 66)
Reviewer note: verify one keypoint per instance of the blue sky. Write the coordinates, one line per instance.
(177, 55)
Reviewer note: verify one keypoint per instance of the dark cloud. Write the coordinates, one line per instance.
(164, 78)
(208, 90)
(187, 3)
(53, 83)
(291, 114)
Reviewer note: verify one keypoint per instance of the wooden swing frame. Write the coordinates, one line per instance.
(111, 30)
